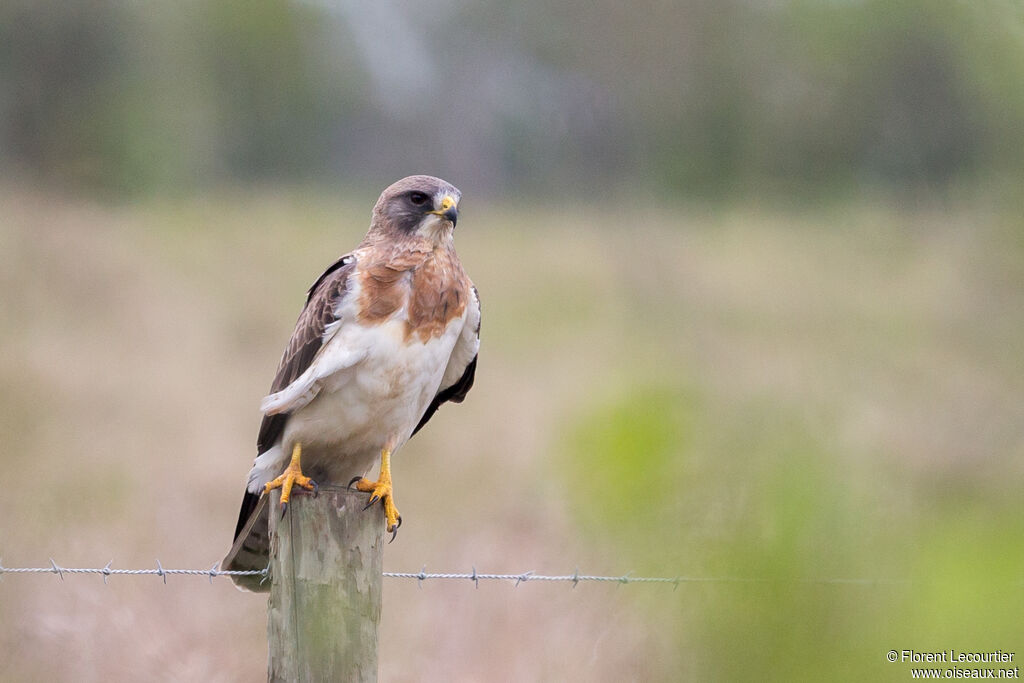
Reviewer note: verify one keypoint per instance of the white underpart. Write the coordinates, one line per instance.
(366, 390)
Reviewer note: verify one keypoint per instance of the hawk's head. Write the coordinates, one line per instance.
(419, 204)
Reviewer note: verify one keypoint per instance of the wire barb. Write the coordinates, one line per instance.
(160, 571)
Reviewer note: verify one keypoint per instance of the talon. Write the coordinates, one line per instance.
(292, 475)
(381, 490)
(316, 488)
(394, 529)
(284, 509)
(354, 480)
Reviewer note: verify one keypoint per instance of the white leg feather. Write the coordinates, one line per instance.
(267, 466)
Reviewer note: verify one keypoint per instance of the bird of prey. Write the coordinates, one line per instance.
(389, 332)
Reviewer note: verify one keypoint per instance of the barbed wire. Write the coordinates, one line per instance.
(627, 578)
(108, 570)
(423, 575)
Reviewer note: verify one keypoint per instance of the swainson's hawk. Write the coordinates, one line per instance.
(389, 332)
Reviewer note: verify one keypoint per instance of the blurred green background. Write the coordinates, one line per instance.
(685, 98)
(753, 287)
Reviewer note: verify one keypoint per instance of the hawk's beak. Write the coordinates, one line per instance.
(449, 210)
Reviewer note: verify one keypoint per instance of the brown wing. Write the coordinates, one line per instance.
(321, 303)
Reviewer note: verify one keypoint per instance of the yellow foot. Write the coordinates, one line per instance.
(382, 490)
(291, 476)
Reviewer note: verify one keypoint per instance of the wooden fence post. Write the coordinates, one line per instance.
(326, 559)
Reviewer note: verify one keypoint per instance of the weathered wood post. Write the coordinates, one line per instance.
(326, 559)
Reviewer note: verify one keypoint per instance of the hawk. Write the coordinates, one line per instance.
(389, 332)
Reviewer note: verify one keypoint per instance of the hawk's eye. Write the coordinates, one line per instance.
(418, 198)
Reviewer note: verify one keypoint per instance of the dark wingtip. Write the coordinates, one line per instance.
(249, 503)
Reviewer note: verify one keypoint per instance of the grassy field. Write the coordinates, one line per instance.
(743, 393)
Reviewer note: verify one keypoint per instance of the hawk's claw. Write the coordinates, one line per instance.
(381, 491)
(316, 488)
(292, 475)
(354, 480)
(394, 531)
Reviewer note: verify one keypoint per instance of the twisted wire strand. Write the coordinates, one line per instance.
(627, 578)
(108, 570)
(423, 575)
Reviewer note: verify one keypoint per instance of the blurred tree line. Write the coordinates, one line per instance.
(699, 97)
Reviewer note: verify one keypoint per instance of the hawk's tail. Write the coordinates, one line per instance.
(251, 548)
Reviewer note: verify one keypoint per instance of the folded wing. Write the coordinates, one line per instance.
(303, 363)
(461, 370)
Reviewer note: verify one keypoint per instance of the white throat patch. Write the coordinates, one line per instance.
(435, 227)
